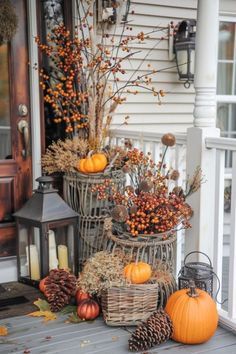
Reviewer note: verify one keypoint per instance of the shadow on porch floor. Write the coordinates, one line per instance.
(31, 335)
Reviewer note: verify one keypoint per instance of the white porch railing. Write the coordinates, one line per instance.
(221, 145)
(151, 142)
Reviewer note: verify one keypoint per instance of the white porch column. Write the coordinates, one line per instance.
(201, 236)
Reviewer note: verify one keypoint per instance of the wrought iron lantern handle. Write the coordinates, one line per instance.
(204, 254)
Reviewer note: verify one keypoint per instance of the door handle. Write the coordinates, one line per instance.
(23, 127)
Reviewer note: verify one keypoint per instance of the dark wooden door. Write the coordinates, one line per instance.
(15, 157)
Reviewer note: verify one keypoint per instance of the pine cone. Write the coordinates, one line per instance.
(119, 213)
(146, 185)
(157, 329)
(60, 286)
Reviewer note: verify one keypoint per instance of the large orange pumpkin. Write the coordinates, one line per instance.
(93, 164)
(194, 315)
(138, 273)
(88, 309)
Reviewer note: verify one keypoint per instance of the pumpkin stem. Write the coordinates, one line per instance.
(90, 154)
(192, 289)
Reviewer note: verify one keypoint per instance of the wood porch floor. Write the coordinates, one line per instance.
(33, 336)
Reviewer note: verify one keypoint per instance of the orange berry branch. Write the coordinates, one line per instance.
(153, 202)
(87, 78)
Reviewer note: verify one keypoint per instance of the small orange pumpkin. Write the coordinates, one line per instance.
(42, 285)
(93, 164)
(194, 315)
(138, 273)
(88, 309)
(80, 296)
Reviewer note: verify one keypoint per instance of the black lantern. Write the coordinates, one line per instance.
(184, 48)
(202, 274)
(47, 234)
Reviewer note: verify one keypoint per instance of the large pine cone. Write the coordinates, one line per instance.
(157, 329)
(60, 286)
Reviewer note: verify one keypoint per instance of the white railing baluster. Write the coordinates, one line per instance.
(219, 217)
(232, 257)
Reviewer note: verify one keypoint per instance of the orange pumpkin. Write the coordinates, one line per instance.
(194, 315)
(80, 296)
(42, 285)
(88, 309)
(93, 164)
(138, 273)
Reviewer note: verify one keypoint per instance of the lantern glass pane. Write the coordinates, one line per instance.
(182, 60)
(29, 252)
(192, 61)
(61, 247)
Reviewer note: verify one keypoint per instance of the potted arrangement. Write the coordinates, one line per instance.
(128, 292)
(147, 214)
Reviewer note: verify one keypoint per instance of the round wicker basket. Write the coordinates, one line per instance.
(157, 250)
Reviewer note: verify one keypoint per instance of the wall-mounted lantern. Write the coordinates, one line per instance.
(47, 235)
(184, 49)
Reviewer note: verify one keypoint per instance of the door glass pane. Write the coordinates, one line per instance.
(5, 128)
(226, 40)
(224, 78)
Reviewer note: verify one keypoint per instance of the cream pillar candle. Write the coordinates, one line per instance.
(53, 261)
(34, 262)
(63, 257)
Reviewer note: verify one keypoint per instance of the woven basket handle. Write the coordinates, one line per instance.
(204, 254)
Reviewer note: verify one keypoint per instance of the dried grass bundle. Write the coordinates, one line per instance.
(62, 156)
(101, 272)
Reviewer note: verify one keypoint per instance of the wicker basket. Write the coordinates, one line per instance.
(129, 305)
(77, 191)
(156, 251)
(167, 286)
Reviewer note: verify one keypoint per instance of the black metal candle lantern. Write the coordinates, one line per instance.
(201, 273)
(47, 234)
(184, 48)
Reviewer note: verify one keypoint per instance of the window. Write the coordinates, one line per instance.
(226, 81)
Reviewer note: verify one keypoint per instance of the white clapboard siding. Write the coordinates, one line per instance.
(228, 7)
(185, 4)
(175, 114)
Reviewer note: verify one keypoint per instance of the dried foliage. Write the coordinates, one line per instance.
(101, 272)
(87, 79)
(194, 183)
(8, 21)
(62, 156)
(3, 331)
(150, 205)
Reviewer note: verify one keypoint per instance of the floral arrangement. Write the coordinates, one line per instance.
(87, 80)
(153, 203)
(101, 272)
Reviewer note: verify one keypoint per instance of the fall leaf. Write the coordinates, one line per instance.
(68, 309)
(73, 318)
(3, 331)
(42, 305)
(48, 315)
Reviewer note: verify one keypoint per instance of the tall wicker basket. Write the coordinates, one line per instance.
(77, 191)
